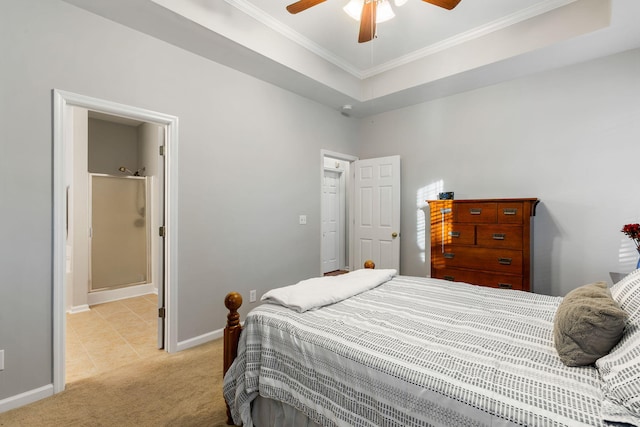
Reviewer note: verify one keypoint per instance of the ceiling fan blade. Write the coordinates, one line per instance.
(301, 5)
(368, 21)
(447, 4)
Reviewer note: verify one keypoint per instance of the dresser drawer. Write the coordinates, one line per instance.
(477, 213)
(499, 236)
(455, 234)
(483, 241)
(510, 212)
(504, 281)
(484, 259)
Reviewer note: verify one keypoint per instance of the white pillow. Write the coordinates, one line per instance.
(620, 369)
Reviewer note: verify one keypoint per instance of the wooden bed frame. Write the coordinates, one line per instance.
(233, 301)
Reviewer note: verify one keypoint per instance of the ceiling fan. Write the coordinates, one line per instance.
(368, 15)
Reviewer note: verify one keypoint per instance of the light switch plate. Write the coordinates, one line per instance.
(1, 360)
(303, 219)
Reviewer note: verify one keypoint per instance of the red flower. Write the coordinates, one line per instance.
(633, 231)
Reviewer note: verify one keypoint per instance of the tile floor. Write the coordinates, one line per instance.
(111, 335)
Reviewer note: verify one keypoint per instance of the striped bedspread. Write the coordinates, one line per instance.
(415, 352)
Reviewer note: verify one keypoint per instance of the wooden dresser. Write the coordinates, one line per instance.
(484, 241)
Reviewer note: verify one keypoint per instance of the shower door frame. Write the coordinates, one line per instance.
(63, 102)
(147, 231)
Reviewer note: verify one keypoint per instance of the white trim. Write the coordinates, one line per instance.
(62, 99)
(59, 243)
(79, 309)
(261, 16)
(349, 192)
(467, 36)
(266, 19)
(342, 218)
(26, 398)
(109, 295)
(202, 339)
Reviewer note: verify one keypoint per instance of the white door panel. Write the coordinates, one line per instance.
(377, 212)
(330, 221)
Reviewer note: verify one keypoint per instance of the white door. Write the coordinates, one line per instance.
(377, 212)
(331, 221)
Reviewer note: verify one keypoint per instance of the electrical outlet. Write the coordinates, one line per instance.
(1, 360)
(303, 219)
(252, 296)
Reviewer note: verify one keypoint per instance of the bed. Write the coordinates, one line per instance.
(412, 351)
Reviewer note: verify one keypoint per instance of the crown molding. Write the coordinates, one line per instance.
(277, 26)
(474, 33)
(261, 16)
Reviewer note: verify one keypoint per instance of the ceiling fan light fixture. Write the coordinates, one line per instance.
(383, 14)
(353, 9)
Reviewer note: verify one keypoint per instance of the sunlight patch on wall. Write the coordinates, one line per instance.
(428, 192)
(627, 256)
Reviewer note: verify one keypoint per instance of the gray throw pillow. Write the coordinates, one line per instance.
(587, 325)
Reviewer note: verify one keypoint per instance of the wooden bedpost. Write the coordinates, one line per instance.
(369, 264)
(232, 301)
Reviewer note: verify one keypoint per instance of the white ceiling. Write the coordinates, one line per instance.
(423, 53)
(417, 26)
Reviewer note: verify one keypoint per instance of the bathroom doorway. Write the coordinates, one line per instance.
(116, 199)
(125, 203)
(73, 227)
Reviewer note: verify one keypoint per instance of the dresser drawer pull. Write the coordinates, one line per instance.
(505, 285)
(499, 236)
(504, 261)
(449, 255)
(449, 278)
(510, 211)
(475, 211)
(454, 234)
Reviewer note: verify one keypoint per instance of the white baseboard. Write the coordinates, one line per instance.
(193, 342)
(78, 309)
(26, 398)
(100, 297)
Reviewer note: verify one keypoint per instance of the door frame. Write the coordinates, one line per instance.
(62, 143)
(147, 233)
(348, 205)
(340, 242)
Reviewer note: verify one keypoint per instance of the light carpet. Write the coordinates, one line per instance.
(182, 389)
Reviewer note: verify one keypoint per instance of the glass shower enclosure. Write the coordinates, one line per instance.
(119, 232)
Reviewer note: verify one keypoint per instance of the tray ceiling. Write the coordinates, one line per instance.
(425, 52)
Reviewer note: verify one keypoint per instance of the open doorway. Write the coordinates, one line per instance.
(114, 261)
(71, 113)
(360, 212)
(124, 205)
(335, 212)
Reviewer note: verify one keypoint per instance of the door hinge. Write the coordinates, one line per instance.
(162, 150)
(162, 312)
(161, 231)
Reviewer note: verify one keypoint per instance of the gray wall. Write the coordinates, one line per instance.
(570, 137)
(249, 159)
(112, 145)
